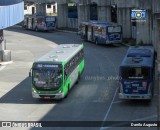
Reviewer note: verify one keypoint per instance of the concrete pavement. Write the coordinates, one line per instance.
(91, 99)
(22, 56)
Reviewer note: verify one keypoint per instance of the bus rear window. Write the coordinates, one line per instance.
(135, 73)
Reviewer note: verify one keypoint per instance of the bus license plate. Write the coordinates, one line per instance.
(135, 91)
(46, 97)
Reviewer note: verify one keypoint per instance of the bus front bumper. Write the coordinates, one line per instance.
(135, 96)
(48, 96)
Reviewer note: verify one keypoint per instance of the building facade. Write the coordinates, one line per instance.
(72, 12)
(8, 9)
(51, 8)
(156, 27)
(118, 11)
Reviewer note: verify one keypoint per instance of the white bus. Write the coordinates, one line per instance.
(39, 22)
(55, 73)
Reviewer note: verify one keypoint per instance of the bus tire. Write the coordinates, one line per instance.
(78, 78)
(96, 42)
(67, 92)
(36, 29)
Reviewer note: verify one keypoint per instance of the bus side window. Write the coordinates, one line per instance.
(65, 72)
(70, 66)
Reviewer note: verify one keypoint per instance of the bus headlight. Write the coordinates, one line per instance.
(33, 90)
(60, 91)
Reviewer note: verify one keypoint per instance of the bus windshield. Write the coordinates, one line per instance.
(50, 19)
(135, 73)
(114, 29)
(47, 76)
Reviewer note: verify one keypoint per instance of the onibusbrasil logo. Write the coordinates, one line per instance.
(138, 15)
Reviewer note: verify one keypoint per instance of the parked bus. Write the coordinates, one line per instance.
(39, 22)
(137, 73)
(55, 73)
(101, 32)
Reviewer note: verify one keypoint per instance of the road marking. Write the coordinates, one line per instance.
(110, 106)
(118, 102)
(1, 68)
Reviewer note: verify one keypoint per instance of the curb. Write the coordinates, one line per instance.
(125, 45)
(66, 31)
(6, 63)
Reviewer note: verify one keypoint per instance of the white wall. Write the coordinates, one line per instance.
(8, 17)
(48, 10)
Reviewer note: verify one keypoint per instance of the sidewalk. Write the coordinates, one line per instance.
(23, 53)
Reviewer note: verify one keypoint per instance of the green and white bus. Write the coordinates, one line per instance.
(55, 73)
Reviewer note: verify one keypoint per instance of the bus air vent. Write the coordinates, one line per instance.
(66, 46)
(137, 59)
(53, 56)
(59, 51)
(75, 45)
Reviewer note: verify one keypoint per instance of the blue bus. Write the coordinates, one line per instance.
(101, 32)
(137, 73)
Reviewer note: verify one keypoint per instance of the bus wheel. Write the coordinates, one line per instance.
(96, 42)
(78, 78)
(36, 29)
(67, 92)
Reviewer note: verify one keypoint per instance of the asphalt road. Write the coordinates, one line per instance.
(93, 99)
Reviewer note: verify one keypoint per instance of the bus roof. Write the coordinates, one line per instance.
(139, 56)
(99, 23)
(62, 53)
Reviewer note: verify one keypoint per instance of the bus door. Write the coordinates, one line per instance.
(92, 33)
(103, 35)
(82, 30)
(26, 24)
(136, 81)
(89, 33)
(29, 23)
(86, 32)
(32, 25)
(41, 23)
